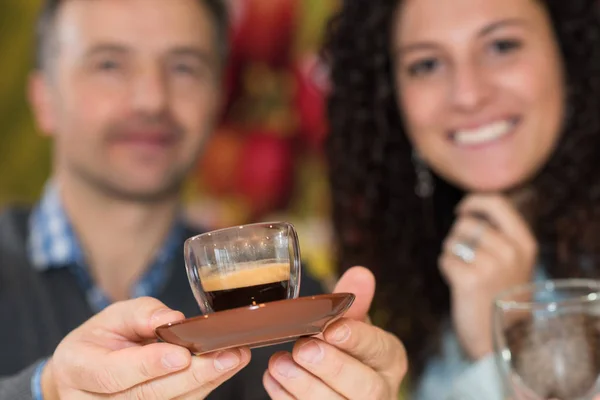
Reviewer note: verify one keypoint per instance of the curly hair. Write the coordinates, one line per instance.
(379, 220)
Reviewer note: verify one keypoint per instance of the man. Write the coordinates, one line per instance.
(129, 90)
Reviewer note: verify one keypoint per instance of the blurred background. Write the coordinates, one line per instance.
(264, 162)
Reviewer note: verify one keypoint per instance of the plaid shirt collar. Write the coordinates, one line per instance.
(53, 244)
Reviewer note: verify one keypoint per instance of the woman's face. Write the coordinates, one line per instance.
(480, 87)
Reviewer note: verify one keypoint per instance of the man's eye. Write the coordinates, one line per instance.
(107, 65)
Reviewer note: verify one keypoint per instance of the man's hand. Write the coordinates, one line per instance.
(115, 353)
(354, 360)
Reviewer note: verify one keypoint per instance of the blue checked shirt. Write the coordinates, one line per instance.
(52, 243)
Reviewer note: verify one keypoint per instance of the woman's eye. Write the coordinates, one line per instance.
(423, 67)
(505, 46)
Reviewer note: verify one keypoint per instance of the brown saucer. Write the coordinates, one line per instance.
(256, 326)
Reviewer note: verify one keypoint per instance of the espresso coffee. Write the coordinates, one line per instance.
(247, 286)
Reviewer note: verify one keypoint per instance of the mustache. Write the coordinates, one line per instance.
(161, 126)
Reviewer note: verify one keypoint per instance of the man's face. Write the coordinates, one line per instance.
(131, 93)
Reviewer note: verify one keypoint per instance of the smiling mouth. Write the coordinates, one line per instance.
(484, 134)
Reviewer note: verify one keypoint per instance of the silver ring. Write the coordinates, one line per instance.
(463, 251)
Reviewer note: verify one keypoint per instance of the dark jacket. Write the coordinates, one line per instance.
(38, 309)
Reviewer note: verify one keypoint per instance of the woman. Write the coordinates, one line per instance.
(462, 145)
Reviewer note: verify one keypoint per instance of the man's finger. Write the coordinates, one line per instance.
(274, 389)
(373, 346)
(300, 383)
(204, 374)
(361, 282)
(122, 369)
(136, 319)
(343, 373)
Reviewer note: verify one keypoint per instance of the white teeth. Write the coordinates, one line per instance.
(483, 134)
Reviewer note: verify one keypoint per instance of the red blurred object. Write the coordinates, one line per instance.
(312, 87)
(266, 29)
(231, 84)
(231, 76)
(220, 163)
(266, 169)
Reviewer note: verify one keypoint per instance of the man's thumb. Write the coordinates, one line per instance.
(361, 282)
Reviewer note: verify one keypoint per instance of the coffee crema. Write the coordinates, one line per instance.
(249, 285)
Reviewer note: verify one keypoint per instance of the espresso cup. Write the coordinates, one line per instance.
(242, 266)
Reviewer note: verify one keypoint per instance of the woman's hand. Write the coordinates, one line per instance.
(480, 258)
